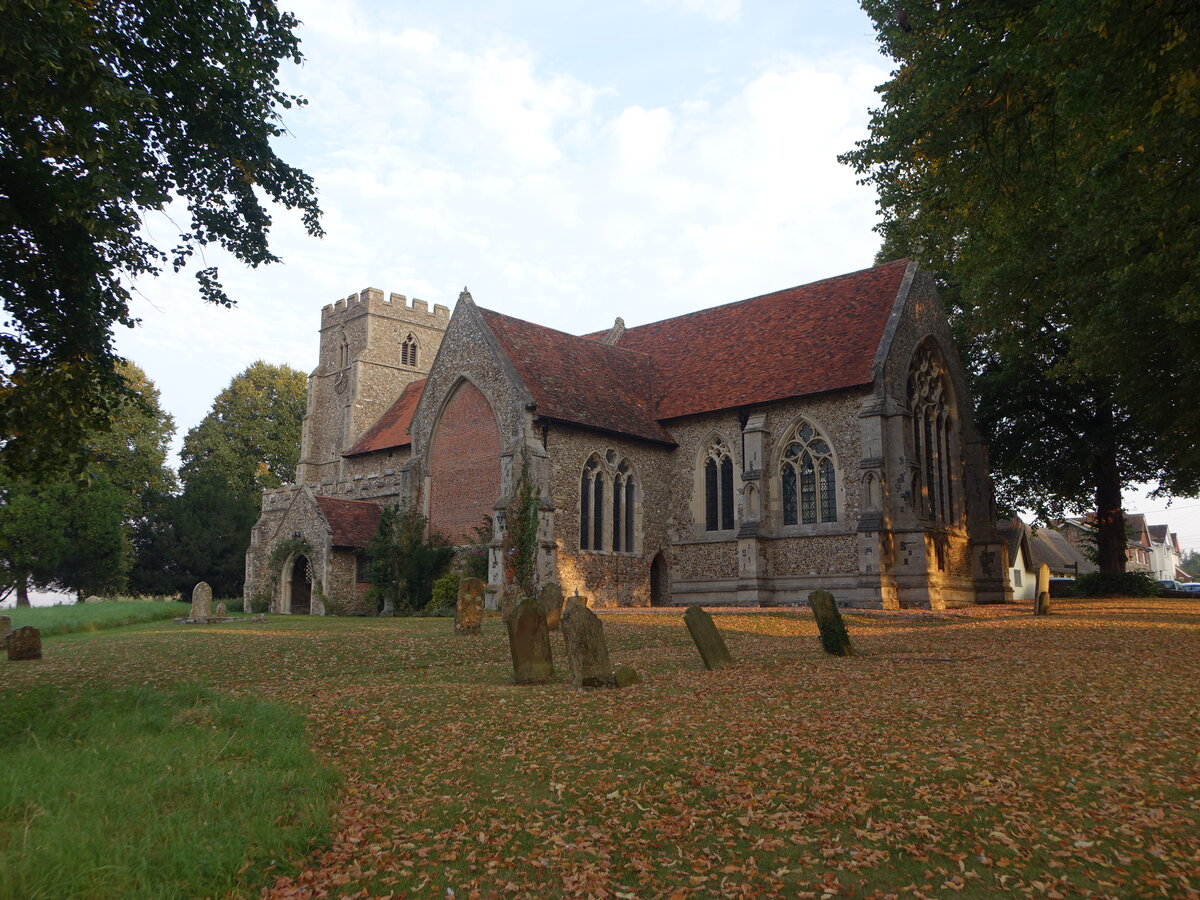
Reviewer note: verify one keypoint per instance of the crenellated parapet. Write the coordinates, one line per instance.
(372, 300)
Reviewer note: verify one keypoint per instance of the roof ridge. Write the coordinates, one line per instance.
(577, 337)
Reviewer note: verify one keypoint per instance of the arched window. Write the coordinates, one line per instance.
(612, 525)
(809, 477)
(408, 351)
(934, 443)
(718, 487)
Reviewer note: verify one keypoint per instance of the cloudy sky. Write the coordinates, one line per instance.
(568, 161)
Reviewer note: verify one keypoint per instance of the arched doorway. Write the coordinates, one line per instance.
(301, 587)
(660, 582)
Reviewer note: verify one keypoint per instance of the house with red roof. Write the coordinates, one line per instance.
(819, 436)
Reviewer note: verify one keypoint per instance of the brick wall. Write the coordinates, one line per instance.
(464, 465)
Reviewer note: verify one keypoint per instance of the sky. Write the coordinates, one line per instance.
(567, 161)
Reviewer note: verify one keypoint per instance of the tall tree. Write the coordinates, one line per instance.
(251, 437)
(111, 110)
(1042, 156)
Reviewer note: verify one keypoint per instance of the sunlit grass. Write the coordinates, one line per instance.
(75, 617)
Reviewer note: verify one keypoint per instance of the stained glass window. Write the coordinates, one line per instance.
(808, 477)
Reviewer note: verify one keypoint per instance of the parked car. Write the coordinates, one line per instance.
(1169, 585)
(1192, 587)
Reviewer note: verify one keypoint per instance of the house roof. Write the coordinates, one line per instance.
(1135, 529)
(1051, 547)
(1159, 534)
(1016, 533)
(804, 340)
(351, 522)
(573, 379)
(391, 431)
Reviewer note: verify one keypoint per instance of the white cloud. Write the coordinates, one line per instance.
(717, 10)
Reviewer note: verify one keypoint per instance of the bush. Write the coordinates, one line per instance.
(445, 594)
(1116, 584)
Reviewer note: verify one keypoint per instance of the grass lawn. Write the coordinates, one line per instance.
(73, 617)
(973, 754)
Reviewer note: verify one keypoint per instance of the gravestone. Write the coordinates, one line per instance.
(1041, 604)
(5, 626)
(468, 614)
(201, 601)
(573, 600)
(834, 638)
(221, 612)
(508, 601)
(260, 619)
(529, 643)
(94, 599)
(624, 676)
(24, 643)
(1043, 585)
(551, 599)
(587, 651)
(708, 640)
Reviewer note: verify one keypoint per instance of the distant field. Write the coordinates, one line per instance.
(980, 753)
(75, 617)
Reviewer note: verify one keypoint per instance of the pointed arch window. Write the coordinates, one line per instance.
(718, 487)
(608, 522)
(809, 477)
(408, 351)
(935, 446)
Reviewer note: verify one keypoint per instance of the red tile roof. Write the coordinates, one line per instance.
(351, 521)
(804, 340)
(391, 431)
(574, 379)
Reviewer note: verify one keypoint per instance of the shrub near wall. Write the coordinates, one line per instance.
(1116, 584)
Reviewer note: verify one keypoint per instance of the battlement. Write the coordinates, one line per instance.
(373, 300)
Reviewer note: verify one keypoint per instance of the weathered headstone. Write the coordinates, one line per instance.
(529, 642)
(1041, 604)
(1043, 584)
(508, 601)
(708, 640)
(573, 600)
(24, 643)
(260, 619)
(201, 601)
(93, 599)
(221, 611)
(5, 627)
(624, 676)
(468, 614)
(834, 637)
(551, 599)
(587, 651)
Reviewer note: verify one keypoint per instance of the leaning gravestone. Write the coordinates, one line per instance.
(508, 601)
(468, 614)
(834, 638)
(24, 643)
(201, 601)
(708, 640)
(551, 599)
(587, 651)
(529, 642)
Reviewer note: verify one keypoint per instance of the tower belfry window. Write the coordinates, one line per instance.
(408, 351)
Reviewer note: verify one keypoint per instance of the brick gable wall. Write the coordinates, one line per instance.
(464, 465)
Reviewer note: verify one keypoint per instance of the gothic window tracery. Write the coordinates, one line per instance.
(935, 449)
(809, 477)
(718, 487)
(608, 525)
(408, 351)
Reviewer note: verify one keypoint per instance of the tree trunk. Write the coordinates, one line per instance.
(22, 593)
(1110, 519)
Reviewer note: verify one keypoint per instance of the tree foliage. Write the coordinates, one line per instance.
(251, 436)
(406, 559)
(1042, 156)
(112, 110)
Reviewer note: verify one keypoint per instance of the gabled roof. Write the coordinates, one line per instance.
(573, 379)
(1050, 547)
(351, 522)
(1159, 534)
(1135, 529)
(804, 340)
(391, 431)
(1016, 533)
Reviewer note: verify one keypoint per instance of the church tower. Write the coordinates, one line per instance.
(372, 346)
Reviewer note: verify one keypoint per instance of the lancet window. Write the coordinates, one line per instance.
(408, 351)
(608, 505)
(934, 444)
(718, 487)
(809, 477)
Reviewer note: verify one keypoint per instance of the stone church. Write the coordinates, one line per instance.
(816, 437)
